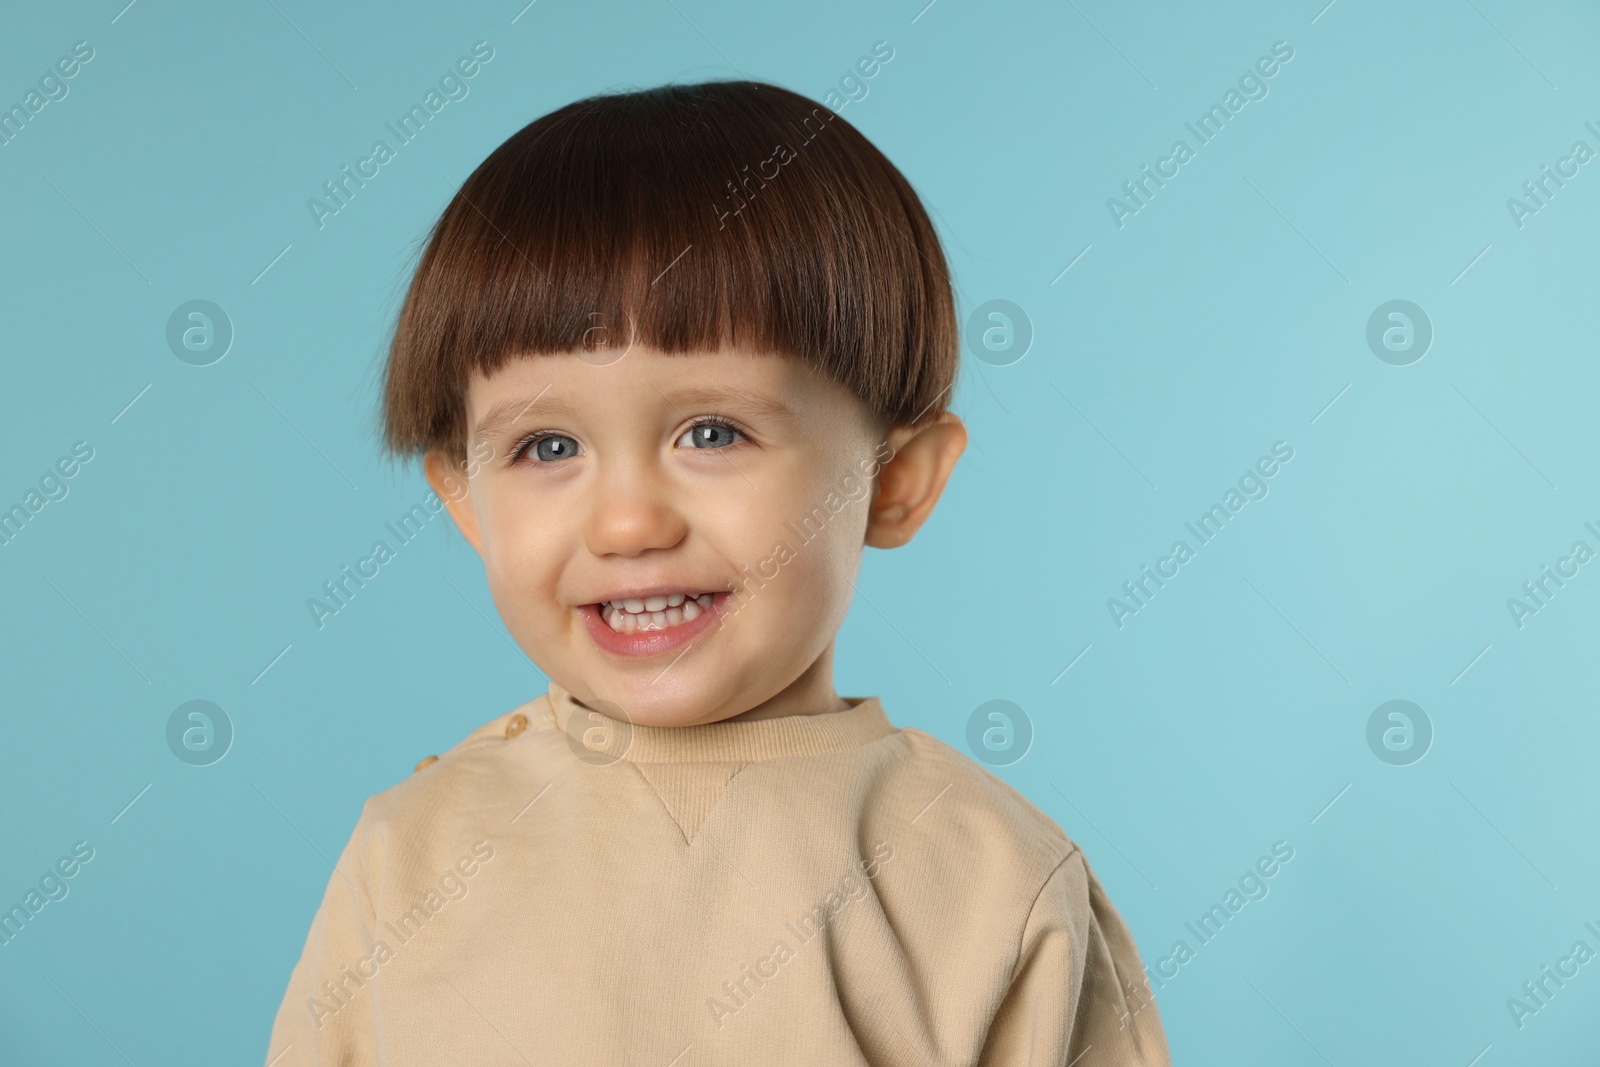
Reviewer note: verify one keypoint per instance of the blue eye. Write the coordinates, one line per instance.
(548, 448)
(711, 433)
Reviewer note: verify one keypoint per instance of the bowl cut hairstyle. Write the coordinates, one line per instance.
(689, 217)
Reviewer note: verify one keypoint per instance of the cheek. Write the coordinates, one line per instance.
(509, 592)
(520, 550)
(822, 530)
(830, 561)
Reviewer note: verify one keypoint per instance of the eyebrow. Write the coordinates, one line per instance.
(508, 411)
(754, 401)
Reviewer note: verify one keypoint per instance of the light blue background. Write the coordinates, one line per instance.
(1226, 315)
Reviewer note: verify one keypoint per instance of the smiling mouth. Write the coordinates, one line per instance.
(654, 613)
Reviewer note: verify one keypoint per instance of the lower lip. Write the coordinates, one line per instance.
(644, 643)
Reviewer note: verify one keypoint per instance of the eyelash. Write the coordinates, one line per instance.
(527, 443)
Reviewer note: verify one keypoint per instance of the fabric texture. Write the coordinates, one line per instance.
(564, 887)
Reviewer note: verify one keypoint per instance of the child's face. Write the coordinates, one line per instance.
(626, 496)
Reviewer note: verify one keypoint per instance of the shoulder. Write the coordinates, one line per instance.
(505, 727)
(974, 850)
(458, 792)
(967, 799)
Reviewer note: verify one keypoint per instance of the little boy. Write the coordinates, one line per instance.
(673, 358)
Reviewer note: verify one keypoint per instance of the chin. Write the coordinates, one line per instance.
(684, 704)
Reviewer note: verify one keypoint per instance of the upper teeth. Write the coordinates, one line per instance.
(656, 603)
(654, 613)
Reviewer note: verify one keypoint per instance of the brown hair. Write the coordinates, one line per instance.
(683, 217)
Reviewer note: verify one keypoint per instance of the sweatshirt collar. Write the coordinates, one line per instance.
(600, 737)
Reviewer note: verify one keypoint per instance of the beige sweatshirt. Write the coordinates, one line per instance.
(564, 888)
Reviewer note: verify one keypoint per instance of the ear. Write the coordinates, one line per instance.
(909, 484)
(448, 480)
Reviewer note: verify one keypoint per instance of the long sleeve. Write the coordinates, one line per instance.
(810, 889)
(1078, 994)
(327, 1014)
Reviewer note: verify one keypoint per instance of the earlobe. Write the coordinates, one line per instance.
(910, 483)
(449, 483)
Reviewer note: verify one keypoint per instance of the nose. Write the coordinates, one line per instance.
(633, 511)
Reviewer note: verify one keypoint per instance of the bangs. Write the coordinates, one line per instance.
(720, 215)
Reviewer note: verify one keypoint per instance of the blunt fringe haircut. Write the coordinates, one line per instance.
(685, 217)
